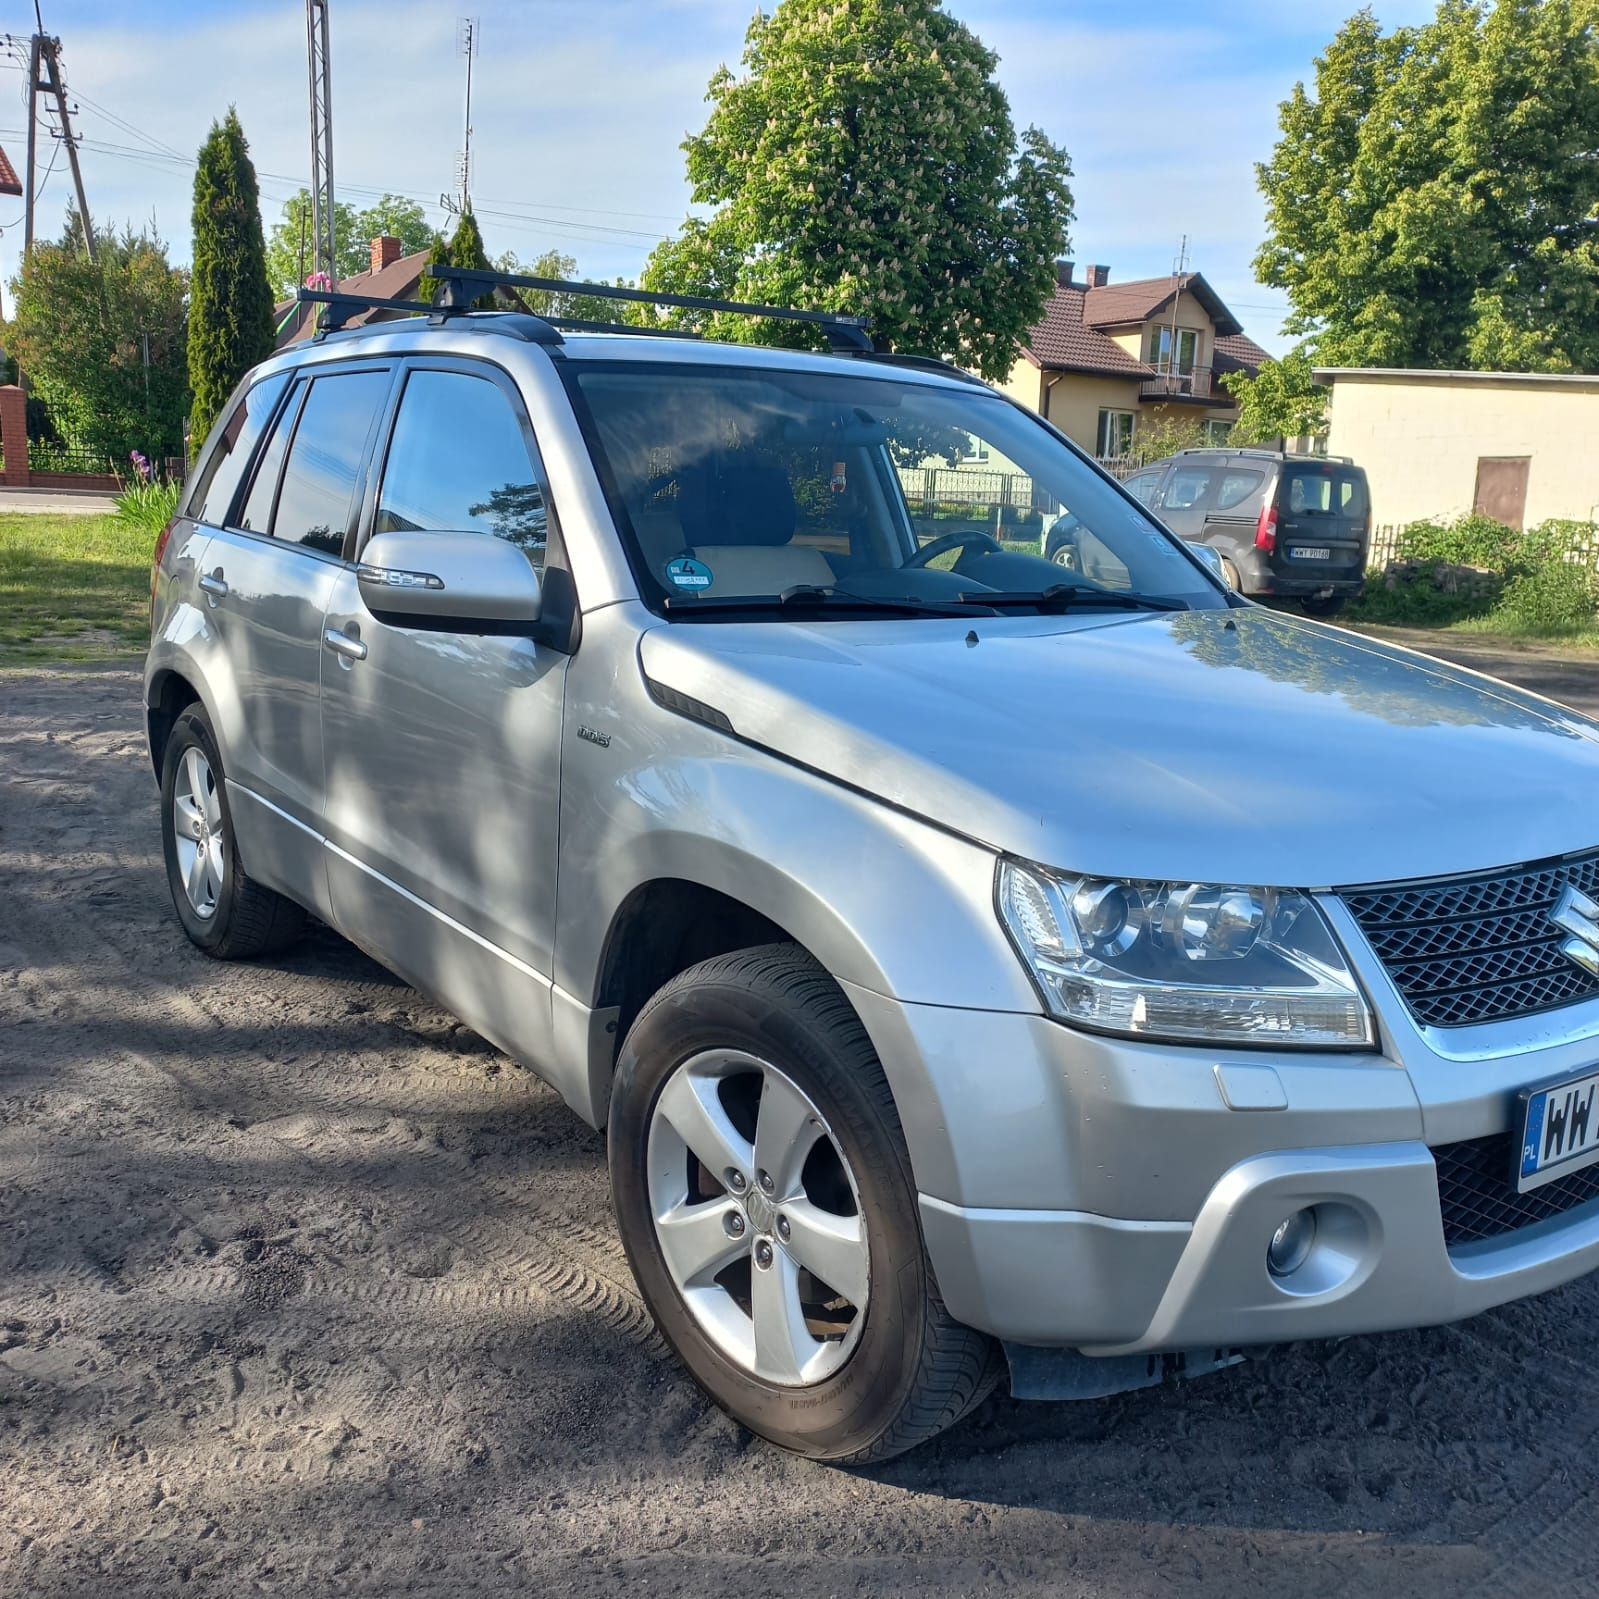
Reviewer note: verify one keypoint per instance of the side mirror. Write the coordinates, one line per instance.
(450, 582)
(1212, 559)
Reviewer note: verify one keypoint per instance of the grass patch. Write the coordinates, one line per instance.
(72, 588)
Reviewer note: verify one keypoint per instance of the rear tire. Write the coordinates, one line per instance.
(881, 1366)
(224, 911)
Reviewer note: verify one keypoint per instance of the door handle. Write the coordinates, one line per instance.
(214, 584)
(345, 644)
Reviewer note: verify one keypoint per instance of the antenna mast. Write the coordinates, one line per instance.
(466, 42)
(324, 241)
(1172, 373)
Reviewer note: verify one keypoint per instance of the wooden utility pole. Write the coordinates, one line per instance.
(30, 185)
(50, 51)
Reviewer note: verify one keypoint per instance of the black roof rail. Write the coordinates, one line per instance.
(459, 286)
(340, 307)
(919, 363)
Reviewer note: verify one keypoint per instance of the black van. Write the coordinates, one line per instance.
(1293, 526)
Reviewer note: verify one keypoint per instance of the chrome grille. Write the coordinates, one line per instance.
(1477, 1199)
(1477, 949)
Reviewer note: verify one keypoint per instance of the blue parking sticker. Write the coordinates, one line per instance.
(687, 573)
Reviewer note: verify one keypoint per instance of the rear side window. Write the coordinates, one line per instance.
(1185, 488)
(1235, 487)
(224, 469)
(458, 462)
(1324, 491)
(319, 478)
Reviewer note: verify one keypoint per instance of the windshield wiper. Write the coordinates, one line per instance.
(804, 597)
(1074, 596)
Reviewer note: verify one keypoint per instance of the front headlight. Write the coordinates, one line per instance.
(1187, 961)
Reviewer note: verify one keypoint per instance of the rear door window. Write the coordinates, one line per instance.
(324, 464)
(1237, 487)
(223, 471)
(458, 462)
(1324, 491)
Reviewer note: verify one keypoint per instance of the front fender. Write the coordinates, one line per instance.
(884, 900)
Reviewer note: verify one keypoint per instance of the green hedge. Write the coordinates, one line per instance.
(1472, 568)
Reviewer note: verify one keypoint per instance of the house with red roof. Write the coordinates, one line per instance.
(390, 276)
(1109, 358)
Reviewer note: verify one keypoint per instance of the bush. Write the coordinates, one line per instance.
(148, 505)
(1557, 596)
(1473, 568)
(1463, 541)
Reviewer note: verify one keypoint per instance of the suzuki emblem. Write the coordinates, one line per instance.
(1578, 917)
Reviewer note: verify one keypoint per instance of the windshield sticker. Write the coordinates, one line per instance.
(687, 573)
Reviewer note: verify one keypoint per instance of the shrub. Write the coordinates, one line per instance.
(1556, 596)
(147, 504)
(1463, 541)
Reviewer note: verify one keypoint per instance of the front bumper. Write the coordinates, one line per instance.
(1118, 1197)
(1379, 1261)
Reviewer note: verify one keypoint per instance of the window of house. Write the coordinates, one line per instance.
(1218, 433)
(1165, 341)
(325, 459)
(458, 462)
(1115, 436)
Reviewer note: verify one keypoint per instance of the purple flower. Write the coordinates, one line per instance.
(141, 465)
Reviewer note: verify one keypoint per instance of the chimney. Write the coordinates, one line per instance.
(1098, 276)
(1063, 273)
(385, 252)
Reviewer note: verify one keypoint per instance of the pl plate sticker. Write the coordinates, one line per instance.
(687, 573)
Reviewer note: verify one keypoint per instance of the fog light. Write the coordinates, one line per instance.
(1290, 1244)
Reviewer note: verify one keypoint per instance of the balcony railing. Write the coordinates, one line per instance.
(1195, 381)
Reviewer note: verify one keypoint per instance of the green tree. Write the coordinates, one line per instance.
(865, 161)
(230, 300)
(1434, 201)
(79, 331)
(547, 302)
(291, 248)
(464, 249)
(1283, 400)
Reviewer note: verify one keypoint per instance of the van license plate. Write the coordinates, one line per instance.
(1559, 1131)
(1301, 552)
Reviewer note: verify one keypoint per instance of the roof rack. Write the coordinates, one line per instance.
(340, 307)
(459, 286)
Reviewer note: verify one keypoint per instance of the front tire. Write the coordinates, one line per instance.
(754, 1145)
(222, 908)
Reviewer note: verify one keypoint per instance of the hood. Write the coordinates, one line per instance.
(1229, 745)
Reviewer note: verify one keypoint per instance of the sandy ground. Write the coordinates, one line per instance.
(306, 1290)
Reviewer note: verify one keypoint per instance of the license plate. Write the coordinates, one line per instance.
(1559, 1131)
(1302, 552)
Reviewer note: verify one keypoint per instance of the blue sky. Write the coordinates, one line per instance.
(580, 105)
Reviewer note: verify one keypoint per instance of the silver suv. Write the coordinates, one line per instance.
(978, 965)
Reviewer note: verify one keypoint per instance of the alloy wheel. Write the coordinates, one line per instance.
(197, 832)
(758, 1217)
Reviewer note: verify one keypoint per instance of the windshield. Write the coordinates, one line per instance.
(749, 490)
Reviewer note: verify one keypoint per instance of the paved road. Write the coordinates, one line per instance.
(306, 1290)
(38, 502)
